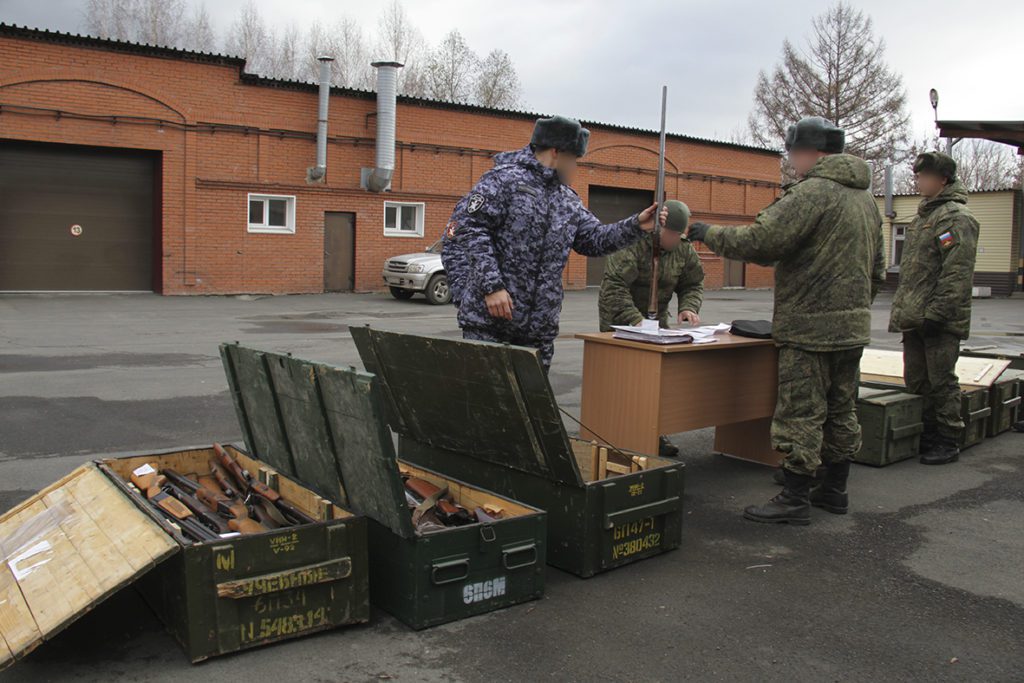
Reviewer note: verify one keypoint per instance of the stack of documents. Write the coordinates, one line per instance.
(657, 335)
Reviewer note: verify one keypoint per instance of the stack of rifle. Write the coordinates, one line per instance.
(227, 500)
(433, 508)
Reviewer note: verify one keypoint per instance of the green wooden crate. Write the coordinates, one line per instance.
(1005, 400)
(91, 534)
(891, 427)
(1011, 351)
(218, 597)
(975, 412)
(485, 413)
(328, 422)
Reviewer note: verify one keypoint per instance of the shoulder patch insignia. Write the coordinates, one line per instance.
(476, 202)
(946, 240)
(449, 230)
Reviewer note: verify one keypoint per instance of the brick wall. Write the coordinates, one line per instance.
(222, 136)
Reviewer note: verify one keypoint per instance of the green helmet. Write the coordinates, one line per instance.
(678, 216)
(936, 163)
(814, 132)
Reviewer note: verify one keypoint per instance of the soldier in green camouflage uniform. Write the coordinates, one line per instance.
(932, 305)
(824, 237)
(626, 288)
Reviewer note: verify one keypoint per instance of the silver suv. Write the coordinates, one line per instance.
(420, 273)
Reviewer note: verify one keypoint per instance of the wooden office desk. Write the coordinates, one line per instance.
(635, 392)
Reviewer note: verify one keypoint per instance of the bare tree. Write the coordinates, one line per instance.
(248, 38)
(157, 22)
(199, 35)
(284, 53)
(981, 164)
(841, 75)
(399, 40)
(451, 69)
(346, 43)
(497, 84)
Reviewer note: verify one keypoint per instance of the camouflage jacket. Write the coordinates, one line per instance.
(824, 237)
(937, 265)
(626, 288)
(514, 232)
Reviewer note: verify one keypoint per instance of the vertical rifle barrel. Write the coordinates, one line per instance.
(659, 199)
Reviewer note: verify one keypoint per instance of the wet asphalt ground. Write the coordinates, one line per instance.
(924, 580)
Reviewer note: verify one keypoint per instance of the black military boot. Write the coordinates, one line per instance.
(928, 437)
(780, 478)
(831, 494)
(944, 450)
(667, 449)
(790, 506)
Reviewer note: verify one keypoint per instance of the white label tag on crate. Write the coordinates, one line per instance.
(144, 470)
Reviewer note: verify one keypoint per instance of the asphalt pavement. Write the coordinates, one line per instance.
(923, 580)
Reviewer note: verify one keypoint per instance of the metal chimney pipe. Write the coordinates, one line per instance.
(319, 172)
(889, 213)
(378, 179)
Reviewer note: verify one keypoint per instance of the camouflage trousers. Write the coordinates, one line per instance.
(929, 369)
(815, 418)
(547, 349)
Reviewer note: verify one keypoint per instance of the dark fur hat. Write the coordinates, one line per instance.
(937, 163)
(565, 135)
(814, 132)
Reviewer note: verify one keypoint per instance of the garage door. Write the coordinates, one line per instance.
(75, 218)
(612, 204)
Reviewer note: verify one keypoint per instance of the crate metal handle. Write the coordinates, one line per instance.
(655, 509)
(507, 553)
(906, 431)
(1011, 402)
(979, 414)
(441, 566)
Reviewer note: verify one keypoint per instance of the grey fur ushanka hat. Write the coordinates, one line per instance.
(814, 132)
(561, 133)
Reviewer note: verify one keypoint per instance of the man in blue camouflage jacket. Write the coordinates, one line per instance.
(508, 240)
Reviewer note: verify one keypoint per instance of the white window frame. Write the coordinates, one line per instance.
(421, 211)
(287, 229)
(895, 238)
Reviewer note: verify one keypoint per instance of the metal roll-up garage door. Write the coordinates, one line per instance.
(611, 204)
(76, 218)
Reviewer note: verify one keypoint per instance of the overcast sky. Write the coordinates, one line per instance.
(605, 61)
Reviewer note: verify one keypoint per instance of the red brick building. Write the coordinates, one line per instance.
(179, 172)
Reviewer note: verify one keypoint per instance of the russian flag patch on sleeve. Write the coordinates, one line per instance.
(947, 239)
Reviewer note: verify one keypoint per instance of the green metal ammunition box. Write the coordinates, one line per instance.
(485, 413)
(890, 422)
(975, 411)
(1005, 400)
(327, 423)
(91, 534)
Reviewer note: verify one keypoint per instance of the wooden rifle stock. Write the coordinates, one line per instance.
(202, 513)
(177, 512)
(258, 488)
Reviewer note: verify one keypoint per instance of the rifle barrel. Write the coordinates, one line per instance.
(659, 199)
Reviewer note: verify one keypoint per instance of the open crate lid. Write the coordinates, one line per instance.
(879, 365)
(322, 425)
(65, 550)
(487, 401)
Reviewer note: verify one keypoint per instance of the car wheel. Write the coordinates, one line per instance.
(401, 294)
(438, 292)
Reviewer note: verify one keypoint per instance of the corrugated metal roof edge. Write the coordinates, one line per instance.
(255, 79)
(914, 194)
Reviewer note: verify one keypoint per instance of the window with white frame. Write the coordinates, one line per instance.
(403, 219)
(899, 235)
(271, 213)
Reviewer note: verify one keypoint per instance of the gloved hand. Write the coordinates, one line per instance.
(697, 232)
(931, 328)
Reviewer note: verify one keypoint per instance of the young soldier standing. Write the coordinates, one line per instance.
(824, 237)
(932, 305)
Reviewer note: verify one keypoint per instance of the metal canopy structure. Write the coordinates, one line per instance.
(1006, 132)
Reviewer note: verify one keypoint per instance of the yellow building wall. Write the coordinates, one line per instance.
(997, 237)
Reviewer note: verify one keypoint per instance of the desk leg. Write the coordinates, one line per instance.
(749, 441)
